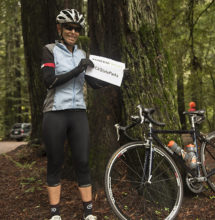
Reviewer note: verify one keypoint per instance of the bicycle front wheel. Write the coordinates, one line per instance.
(208, 159)
(132, 197)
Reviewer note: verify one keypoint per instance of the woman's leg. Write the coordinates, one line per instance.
(86, 193)
(54, 134)
(54, 194)
(79, 140)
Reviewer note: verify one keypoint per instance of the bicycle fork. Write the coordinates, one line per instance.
(147, 167)
(148, 161)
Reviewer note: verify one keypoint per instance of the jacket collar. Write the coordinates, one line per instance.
(63, 46)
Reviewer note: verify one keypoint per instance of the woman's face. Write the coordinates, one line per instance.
(70, 33)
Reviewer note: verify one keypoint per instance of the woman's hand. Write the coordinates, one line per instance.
(84, 63)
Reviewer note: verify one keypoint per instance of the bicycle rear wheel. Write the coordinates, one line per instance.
(208, 159)
(130, 197)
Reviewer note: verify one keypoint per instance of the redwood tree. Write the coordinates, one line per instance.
(127, 31)
(38, 23)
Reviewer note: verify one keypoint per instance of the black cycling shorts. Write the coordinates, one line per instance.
(57, 127)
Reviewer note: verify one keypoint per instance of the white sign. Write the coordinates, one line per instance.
(107, 70)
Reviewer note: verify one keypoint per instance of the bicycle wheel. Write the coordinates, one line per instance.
(208, 159)
(130, 197)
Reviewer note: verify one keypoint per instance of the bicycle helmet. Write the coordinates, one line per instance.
(70, 16)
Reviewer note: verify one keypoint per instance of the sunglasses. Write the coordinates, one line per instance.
(71, 27)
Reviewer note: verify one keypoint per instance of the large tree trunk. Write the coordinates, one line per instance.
(38, 23)
(127, 31)
(76, 4)
(104, 104)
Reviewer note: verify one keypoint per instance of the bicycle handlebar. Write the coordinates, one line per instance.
(147, 113)
(124, 129)
(144, 116)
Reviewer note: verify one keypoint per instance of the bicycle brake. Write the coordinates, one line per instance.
(117, 126)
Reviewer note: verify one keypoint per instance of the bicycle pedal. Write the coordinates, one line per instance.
(200, 179)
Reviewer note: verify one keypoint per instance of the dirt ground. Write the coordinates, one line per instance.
(23, 193)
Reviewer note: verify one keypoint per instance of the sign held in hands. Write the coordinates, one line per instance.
(107, 70)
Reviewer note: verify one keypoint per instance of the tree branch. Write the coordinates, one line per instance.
(209, 5)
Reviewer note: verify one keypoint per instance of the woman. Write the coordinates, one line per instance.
(63, 66)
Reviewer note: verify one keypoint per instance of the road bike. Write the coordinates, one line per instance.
(142, 178)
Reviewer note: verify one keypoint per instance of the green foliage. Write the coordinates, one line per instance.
(26, 165)
(30, 184)
(188, 33)
(14, 98)
(83, 43)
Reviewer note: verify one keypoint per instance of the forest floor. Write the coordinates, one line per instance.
(23, 193)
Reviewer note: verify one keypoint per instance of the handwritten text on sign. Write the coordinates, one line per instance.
(107, 70)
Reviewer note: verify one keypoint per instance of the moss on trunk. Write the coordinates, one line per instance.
(128, 32)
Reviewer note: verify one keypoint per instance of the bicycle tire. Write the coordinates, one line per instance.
(128, 198)
(208, 158)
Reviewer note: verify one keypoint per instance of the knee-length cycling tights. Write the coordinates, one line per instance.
(57, 127)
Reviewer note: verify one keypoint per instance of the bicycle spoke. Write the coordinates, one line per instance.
(208, 160)
(163, 180)
(159, 192)
(133, 197)
(128, 166)
(138, 156)
(125, 181)
(208, 151)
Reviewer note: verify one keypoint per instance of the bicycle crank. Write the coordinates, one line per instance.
(194, 185)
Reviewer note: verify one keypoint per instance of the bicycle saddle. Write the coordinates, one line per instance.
(198, 112)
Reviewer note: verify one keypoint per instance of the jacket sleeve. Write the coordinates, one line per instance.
(95, 83)
(48, 68)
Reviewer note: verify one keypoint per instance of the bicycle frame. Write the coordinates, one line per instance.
(152, 135)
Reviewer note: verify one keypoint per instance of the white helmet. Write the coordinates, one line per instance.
(70, 16)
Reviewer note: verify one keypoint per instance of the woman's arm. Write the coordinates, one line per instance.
(95, 83)
(48, 67)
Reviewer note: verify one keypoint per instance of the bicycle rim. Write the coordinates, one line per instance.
(130, 198)
(208, 159)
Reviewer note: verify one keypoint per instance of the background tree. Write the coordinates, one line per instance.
(38, 23)
(187, 30)
(173, 25)
(14, 95)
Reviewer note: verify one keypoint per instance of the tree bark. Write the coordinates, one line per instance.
(195, 79)
(127, 31)
(38, 24)
(180, 91)
(76, 4)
